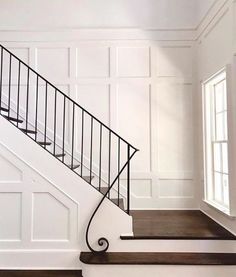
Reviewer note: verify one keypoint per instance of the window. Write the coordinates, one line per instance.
(216, 142)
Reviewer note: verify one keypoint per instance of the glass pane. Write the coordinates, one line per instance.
(225, 126)
(218, 187)
(225, 158)
(224, 95)
(226, 189)
(220, 126)
(219, 97)
(217, 157)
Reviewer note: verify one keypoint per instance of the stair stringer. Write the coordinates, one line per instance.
(110, 221)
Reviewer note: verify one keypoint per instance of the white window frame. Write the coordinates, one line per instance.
(209, 115)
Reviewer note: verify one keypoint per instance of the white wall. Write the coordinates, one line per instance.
(144, 76)
(157, 14)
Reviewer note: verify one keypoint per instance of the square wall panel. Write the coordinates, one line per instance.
(23, 54)
(50, 218)
(174, 123)
(133, 121)
(93, 62)
(133, 61)
(20, 52)
(174, 61)
(53, 63)
(141, 188)
(88, 96)
(10, 216)
(95, 99)
(9, 172)
(175, 188)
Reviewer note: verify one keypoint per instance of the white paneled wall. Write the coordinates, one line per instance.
(33, 212)
(143, 90)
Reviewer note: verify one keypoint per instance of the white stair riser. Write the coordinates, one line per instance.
(157, 271)
(177, 246)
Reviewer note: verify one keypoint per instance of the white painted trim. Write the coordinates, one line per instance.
(39, 259)
(73, 35)
(217, 221)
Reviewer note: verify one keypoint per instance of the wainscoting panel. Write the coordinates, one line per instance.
(140, 88)
(10, 216)
(33, 212)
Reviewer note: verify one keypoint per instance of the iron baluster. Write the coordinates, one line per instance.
(100, 158)
(9, 89)
(82, 143)
(55, 123)
(128, 180)
(73, 130)
(27, 101)
(118, 167)
(36, 107)
(63, 131)
(91, 152)
(109, 164)
(45, 116)
(18, 94)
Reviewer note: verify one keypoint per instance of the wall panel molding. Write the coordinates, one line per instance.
(123, 68)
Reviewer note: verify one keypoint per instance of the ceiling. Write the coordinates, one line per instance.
(145, 14)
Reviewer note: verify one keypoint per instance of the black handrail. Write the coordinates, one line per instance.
(114, 166)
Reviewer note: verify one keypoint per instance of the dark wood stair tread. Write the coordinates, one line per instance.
(119, 202)
(59, 155)
(103, 190)
(28, 131)
(4, 109)
(87, 178)
(75, 166)
(161, 258)
(44, 142)
(13, 119)
(40, 273)
(168, 237)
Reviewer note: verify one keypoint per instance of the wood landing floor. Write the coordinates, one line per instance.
(176, 225)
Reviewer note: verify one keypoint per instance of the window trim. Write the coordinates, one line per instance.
(209, 195)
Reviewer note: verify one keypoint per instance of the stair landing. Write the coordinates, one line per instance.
(191, 224)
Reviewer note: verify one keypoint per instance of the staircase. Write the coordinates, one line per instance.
(53, 120)
(102, 158)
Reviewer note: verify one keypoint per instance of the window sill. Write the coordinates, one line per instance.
(219, 208)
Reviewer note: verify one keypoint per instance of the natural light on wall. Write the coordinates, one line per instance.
(216, 141)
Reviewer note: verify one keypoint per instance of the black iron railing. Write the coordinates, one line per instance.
(66, 130)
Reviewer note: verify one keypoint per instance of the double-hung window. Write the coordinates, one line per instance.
(216, 141)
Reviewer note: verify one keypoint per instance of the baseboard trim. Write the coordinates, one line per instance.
(39, 259)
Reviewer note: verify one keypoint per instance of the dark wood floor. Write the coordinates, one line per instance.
(176, 225)
(40, 273)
